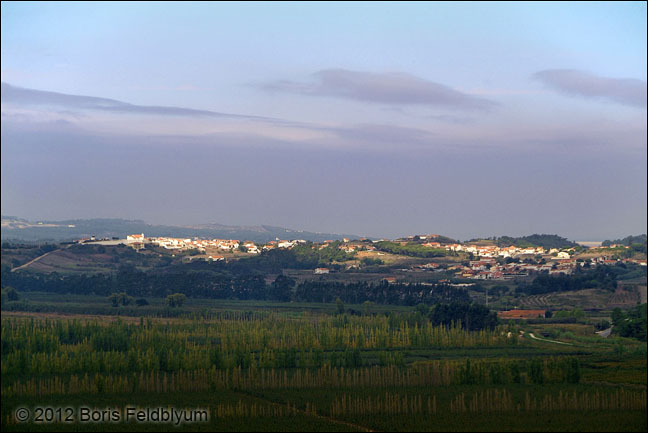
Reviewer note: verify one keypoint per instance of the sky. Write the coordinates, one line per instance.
(376, 119)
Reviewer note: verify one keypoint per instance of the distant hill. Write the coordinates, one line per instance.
(535, 240)
(421, 239)
(14, 228)
(627, 241)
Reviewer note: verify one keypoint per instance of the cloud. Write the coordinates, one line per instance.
(25, 109)
(383, 88)
(45, 110)
(626, 91)
(29, 97)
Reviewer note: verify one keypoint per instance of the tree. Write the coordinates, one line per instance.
(141, 302)
(536, 371)
(176, 300)
(127, 300)
(573, 371)
(631, 323)
(368, 261)
(340, 306)
(617, 316)
(122, 298)
(114, 299)
(423, 309)
(367, 307)
(12, 294)
(473, 317)
(281, 289)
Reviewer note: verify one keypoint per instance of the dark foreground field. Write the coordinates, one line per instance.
(296, 410)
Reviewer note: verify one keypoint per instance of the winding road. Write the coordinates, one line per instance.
(550, 341)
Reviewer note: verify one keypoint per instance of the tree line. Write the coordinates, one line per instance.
(412, 249)
(35, 347)
(205, 280)
(601, 277)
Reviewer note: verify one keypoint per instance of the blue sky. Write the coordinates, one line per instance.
(380, 119)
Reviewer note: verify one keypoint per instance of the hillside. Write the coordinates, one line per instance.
(20, 229)
(628, 240)
(534, 240)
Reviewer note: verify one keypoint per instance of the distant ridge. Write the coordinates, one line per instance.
(31, 231)
(535, 240)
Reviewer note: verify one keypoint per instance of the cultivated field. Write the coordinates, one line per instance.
(257, 366)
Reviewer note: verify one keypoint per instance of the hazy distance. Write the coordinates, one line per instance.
(381, 121)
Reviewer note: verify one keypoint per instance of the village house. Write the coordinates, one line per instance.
(135, 241)
(251, 247)
(270, 246)
(228, 245)
(135, 238)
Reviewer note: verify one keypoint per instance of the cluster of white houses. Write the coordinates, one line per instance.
(345, 245)
(488, 268)
(138, 241)
(495, 251)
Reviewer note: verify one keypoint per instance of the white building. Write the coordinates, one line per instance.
(135, 241)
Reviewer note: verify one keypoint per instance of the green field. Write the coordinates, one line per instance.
(266, 366)
(43, 302)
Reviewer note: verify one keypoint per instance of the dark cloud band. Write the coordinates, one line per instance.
(385, 88)
(22, 96)
(624, 91)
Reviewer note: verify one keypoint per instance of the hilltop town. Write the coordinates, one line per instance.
(486, 261)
